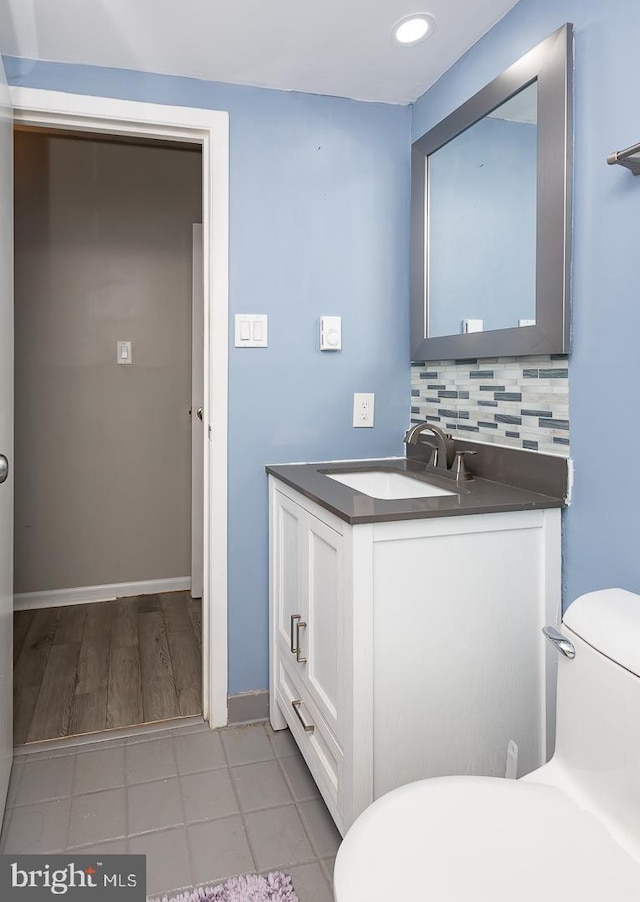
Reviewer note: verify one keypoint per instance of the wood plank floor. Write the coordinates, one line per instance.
(90, 667)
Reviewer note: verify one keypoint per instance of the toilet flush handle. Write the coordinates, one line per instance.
(563, 645)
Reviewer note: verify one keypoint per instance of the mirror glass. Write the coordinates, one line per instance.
(482, 222)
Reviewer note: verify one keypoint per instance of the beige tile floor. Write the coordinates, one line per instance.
(202, 805)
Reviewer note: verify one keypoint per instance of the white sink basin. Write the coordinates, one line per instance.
(388, 485)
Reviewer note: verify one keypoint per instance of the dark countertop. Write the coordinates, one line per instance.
(477, 496)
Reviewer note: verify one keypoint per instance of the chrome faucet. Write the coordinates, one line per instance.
(444, 451)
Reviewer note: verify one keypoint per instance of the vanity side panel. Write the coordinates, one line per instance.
(457, 647)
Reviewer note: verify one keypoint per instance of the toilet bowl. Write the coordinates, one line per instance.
(567, 831)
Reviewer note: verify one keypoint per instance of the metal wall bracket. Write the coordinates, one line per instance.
(629, 158)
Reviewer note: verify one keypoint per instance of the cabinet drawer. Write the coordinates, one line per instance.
(319, 747)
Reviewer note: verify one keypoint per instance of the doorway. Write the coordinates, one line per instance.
(210, 130)
(103, 478)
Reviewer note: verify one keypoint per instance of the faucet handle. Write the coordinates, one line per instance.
(460, 467)
(432, 460)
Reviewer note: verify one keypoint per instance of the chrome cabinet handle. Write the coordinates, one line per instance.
(300, 624)
(308, 727)
(199, 413)
(293, 643)
(563, 644)
(294, 637)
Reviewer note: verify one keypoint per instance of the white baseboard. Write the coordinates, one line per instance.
(87, 594)
(247, 707)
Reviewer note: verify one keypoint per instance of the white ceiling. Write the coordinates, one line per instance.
(335, 47)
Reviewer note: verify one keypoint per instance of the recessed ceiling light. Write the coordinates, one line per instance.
(413, 29)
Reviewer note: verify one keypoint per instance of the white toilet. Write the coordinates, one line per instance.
(568, 831)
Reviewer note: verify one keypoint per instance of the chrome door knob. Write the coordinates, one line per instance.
(4, 468)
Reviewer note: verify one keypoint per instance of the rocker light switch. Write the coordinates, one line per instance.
(251, 330)
(124, 352)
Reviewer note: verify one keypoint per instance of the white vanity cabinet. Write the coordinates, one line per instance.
(410, 648)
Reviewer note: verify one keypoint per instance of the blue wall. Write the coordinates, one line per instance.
(482, 239)
(601, 526)
(318, 225)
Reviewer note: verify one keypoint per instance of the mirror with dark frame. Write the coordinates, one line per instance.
(490, 226)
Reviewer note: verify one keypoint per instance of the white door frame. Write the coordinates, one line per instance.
(210, 129)
(197, 404)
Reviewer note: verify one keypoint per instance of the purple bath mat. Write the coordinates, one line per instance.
(275, 887)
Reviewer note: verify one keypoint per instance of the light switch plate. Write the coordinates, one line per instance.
(250, 330)
(330, 333)
(124, 352)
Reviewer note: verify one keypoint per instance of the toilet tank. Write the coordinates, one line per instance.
(597, 753)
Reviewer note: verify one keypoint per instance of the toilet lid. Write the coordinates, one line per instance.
(481, 839)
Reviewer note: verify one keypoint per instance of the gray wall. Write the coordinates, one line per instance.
(103, 461)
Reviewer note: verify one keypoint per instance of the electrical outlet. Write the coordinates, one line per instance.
(363, 404)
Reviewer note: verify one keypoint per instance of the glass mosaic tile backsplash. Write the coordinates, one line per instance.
(518, 401)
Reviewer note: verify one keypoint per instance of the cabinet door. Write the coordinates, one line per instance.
(288, 569)
(321, 640)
